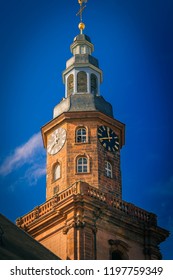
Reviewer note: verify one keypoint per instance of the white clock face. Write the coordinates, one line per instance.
(56, 141)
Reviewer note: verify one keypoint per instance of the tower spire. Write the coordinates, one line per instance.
(80, 13)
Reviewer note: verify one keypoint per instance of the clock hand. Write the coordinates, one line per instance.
(54, 143)
(56, 138)
(104, 138)
(108, 132)
(51, 147)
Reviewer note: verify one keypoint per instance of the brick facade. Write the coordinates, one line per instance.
(92, 149)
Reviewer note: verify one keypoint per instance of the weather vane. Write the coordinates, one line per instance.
(80, 13)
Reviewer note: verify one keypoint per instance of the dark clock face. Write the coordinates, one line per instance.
(108, 138)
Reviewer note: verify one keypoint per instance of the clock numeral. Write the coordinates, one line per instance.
(116, 147)
(101, 130)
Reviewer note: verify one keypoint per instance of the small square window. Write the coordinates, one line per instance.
(56, 190)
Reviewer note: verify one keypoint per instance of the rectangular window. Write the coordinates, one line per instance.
(82, 165)
(108, 169)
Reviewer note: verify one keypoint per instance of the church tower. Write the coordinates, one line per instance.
(84, 216)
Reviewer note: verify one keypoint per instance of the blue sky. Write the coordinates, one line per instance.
(134, 44)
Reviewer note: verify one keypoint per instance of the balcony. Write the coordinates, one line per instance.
(81, 188)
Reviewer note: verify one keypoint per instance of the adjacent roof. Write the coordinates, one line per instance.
(15, 244)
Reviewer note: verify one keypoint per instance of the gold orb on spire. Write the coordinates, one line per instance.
(81, 2)
(80, 13)
(81, 27)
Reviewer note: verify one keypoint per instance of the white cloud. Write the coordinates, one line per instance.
(33, 174)
(30, 177)
(24, 154)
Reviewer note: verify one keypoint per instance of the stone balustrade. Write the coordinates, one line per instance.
(81, 188)
(123, 206)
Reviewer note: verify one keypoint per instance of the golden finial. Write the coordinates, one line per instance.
(80, 13)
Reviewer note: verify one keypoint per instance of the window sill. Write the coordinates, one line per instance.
(55, 180)
(81, 143)
(109, 177)
(82, 173)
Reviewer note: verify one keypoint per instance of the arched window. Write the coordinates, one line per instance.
(81, 82)
(82, 49)
(88, 50)
(82, 165)
(56, 172)
(108, 169)
(70, 85)
(81, 135)
(94, 83)
(118, 250)
(117, 255)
